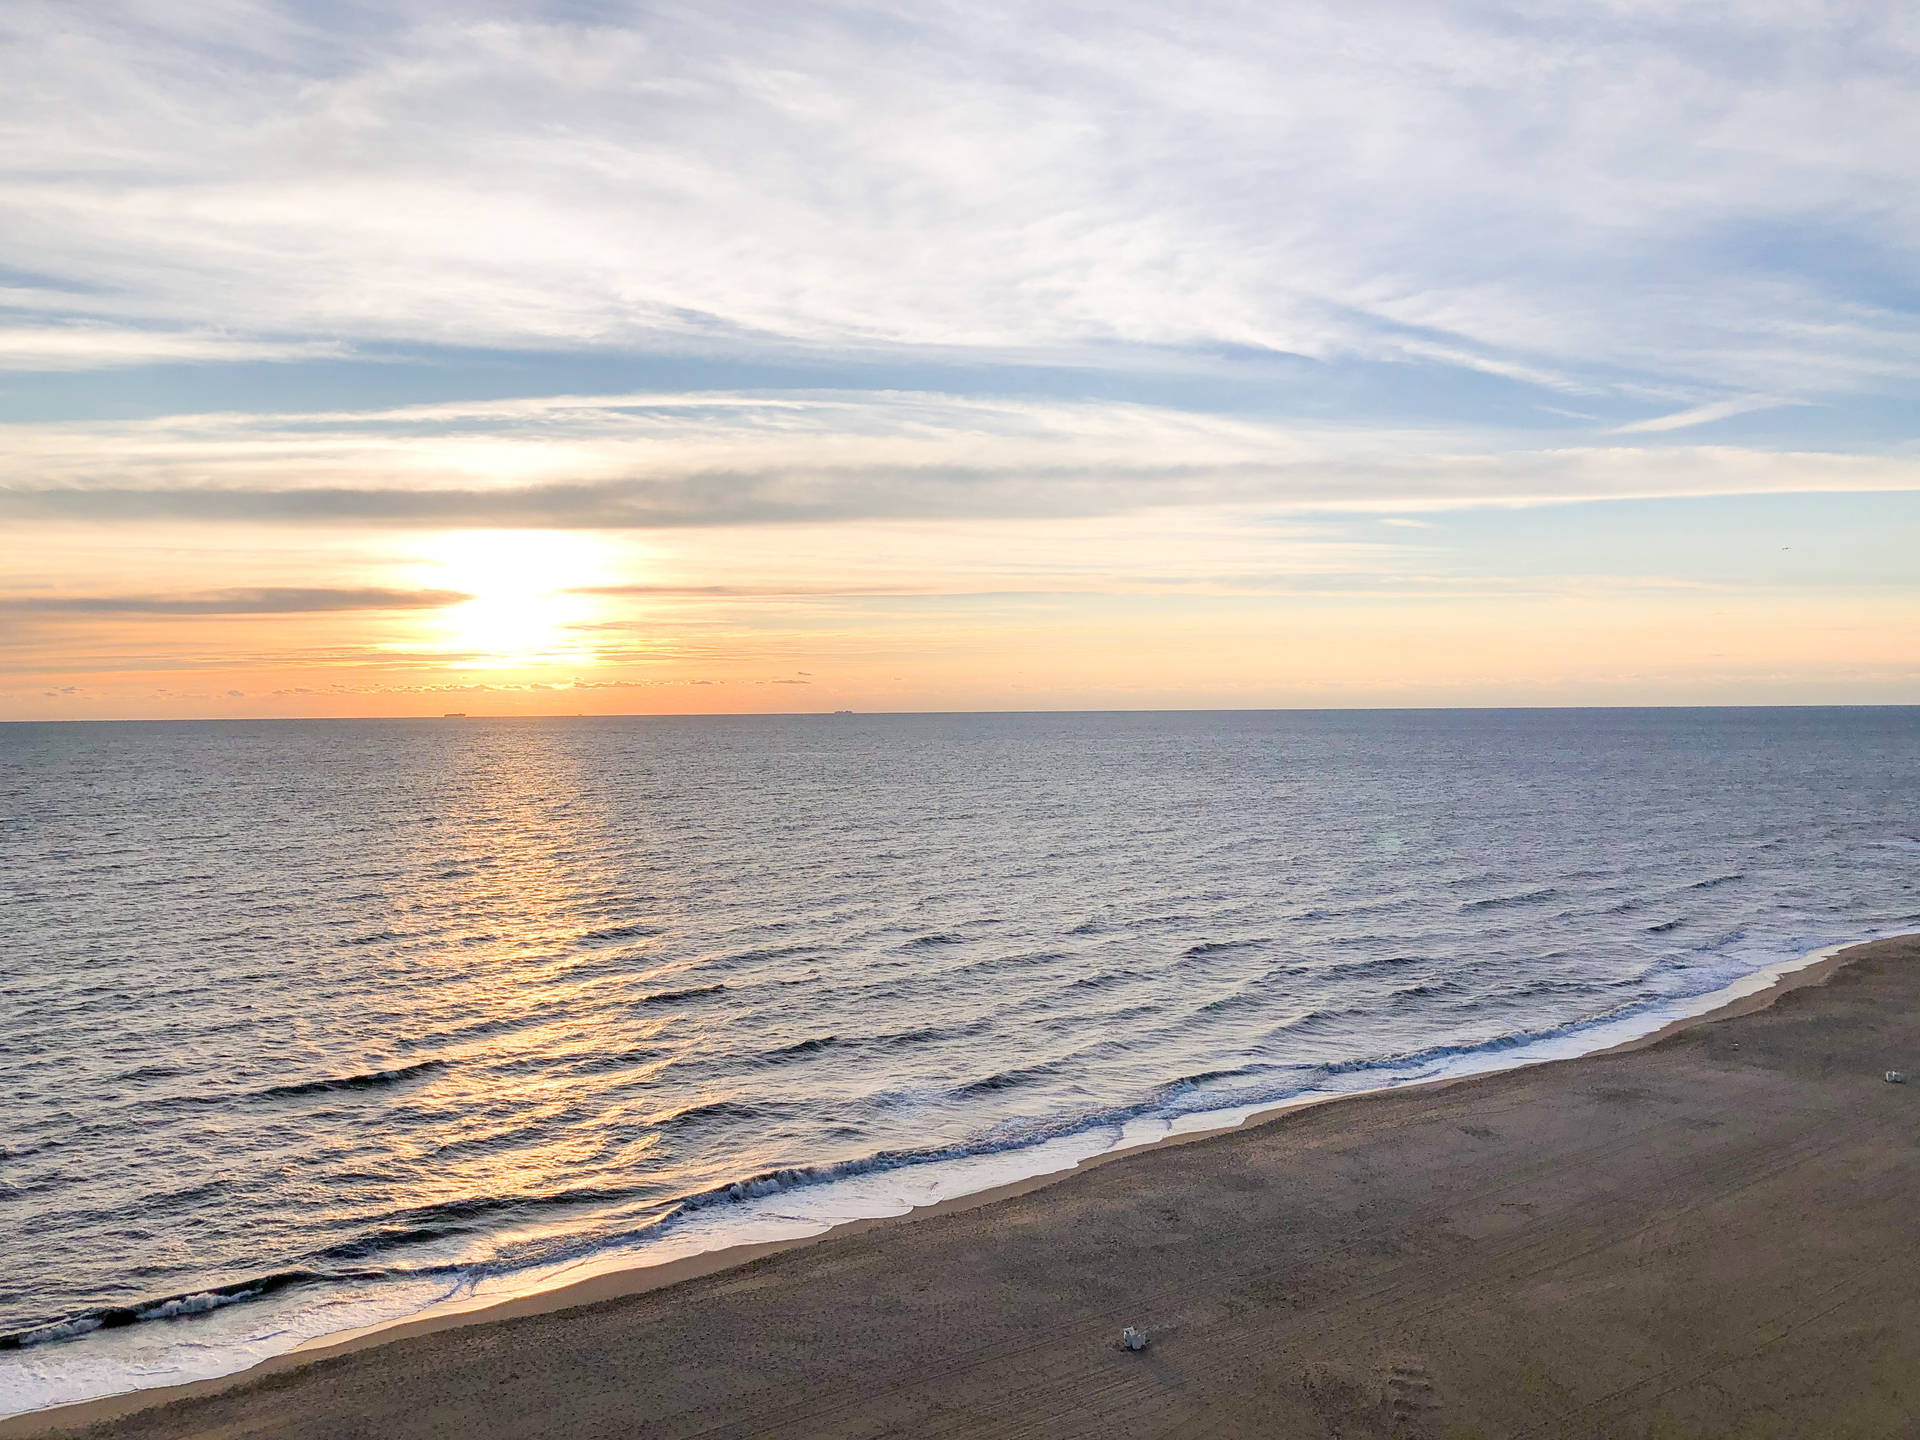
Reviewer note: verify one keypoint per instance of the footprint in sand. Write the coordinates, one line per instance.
(1396, 1402)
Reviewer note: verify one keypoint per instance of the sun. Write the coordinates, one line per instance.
(527, 604)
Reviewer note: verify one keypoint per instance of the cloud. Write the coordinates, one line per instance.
(817, 496)
(524, 687)
(96, 347)
(742, 592)
(673, 462)
(1578, 198)
(268, 601)
(1700, 415)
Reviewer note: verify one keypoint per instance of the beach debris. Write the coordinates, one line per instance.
(1132, 1339)
(1896, 1077)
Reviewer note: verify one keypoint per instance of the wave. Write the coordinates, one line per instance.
(1348, 967)
(601, 1062)
(754, 957)
(1513, 1040)
(929, 942)
(669, 997)
(1664, 926)
(928, 1034)
(1006, 1080)
(1359, 908)
(1019, 960)
(798, 1050)
(415, 1223)
(1202, 1077)
(1501, 902)
(370, 1080)
(1236, 1000)
(1718, 880)
(423, 1224)
(711, 1111)
(1530, 989)
(1426, 989)
(170, 1307)
(795, 1177)
(1217, 947)
(1105, 980)
(381, 1241)
(377, 937)
(636, 930)
(150, 1072)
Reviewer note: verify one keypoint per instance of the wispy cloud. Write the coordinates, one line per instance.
(744, 592)
(266, 601)
(1701, 415)
(97, 347)
(669, 462)
(1571, 201)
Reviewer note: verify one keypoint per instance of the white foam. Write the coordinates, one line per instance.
(65, 1330)
(196, 1304)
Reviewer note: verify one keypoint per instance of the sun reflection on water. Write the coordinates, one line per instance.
(545, 1097)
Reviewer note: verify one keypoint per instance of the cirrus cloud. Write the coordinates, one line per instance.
(1700, 199)
(676, 461)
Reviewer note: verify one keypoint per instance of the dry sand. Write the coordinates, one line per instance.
(1715, 1235)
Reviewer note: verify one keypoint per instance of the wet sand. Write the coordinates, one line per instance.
(1717, 1234)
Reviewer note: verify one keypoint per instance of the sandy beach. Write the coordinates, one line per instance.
(1711, 1235)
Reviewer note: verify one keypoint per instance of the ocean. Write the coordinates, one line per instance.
(309, 1026)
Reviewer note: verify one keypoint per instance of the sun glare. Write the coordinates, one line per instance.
(526, 606)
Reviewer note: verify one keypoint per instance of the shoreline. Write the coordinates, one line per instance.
(621, 1278)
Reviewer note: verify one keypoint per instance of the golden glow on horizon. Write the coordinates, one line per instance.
(1174, 608)
(526, 611)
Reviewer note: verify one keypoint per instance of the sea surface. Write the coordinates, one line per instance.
(312, 1025)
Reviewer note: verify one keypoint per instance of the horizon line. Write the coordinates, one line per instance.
(932, 714)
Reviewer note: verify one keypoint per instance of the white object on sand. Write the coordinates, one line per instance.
(1896, 1077)
(1133, 1339)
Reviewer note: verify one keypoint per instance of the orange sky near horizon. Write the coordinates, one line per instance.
(1174, 609)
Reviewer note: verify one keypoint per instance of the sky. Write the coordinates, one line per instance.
(556, 358)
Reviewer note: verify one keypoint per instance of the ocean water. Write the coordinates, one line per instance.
(308, 1026)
